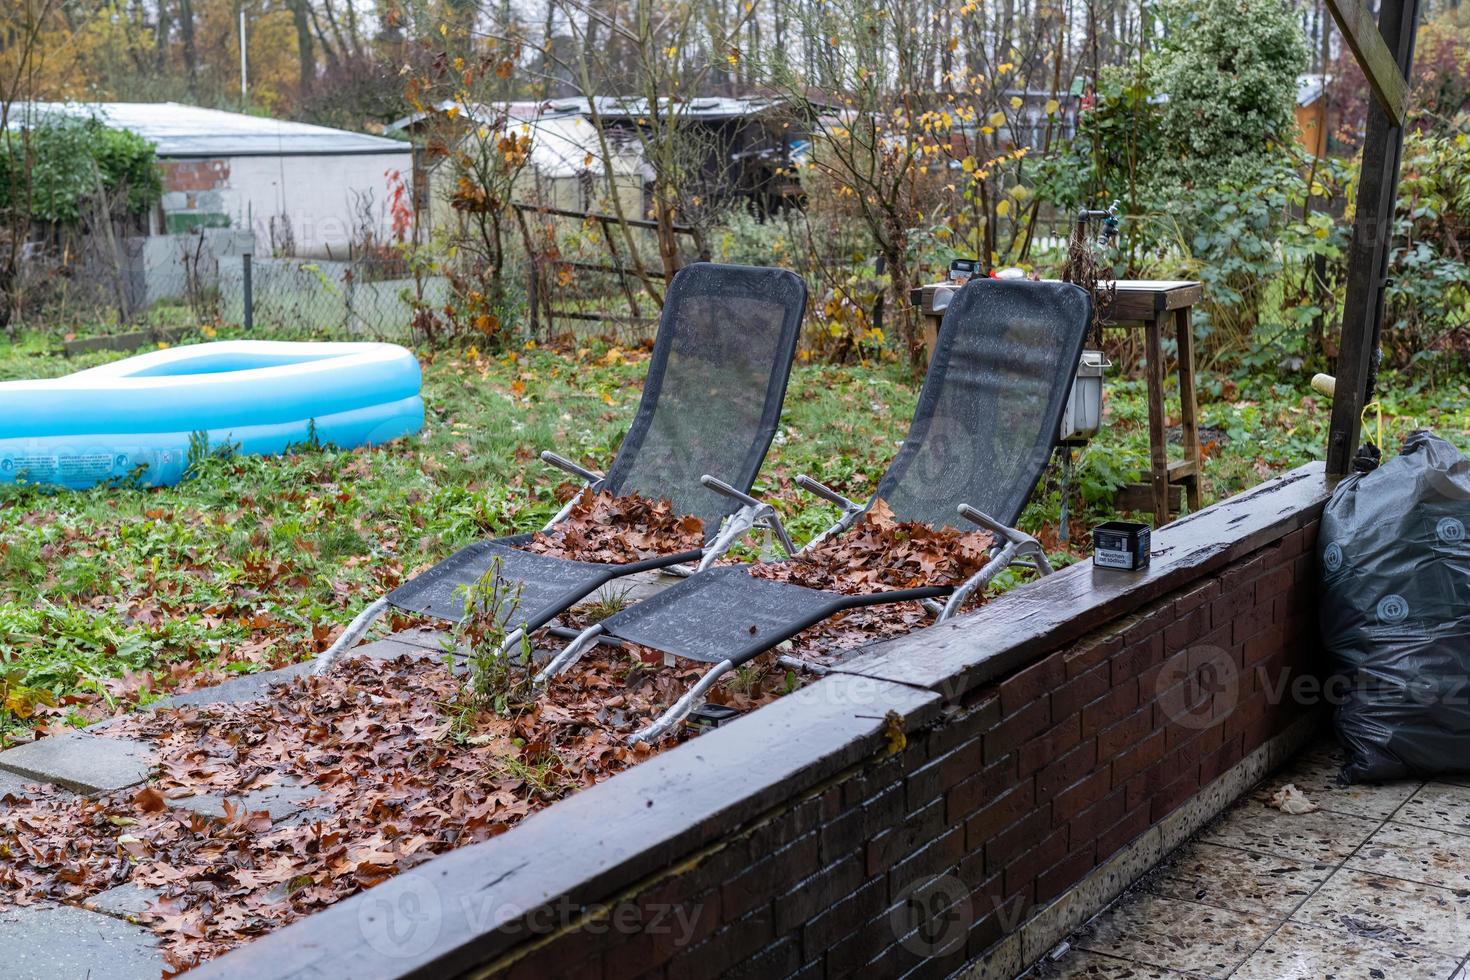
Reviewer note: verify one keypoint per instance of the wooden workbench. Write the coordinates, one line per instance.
(1152, 306)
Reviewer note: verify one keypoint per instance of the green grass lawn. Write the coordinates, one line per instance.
(113, 596)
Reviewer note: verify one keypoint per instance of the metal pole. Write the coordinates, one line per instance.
(243, 75)
(248, 297)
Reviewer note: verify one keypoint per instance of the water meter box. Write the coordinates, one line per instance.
(1083, 416)
(711, 716)
(1120, 544)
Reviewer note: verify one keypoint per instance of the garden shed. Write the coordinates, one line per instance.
(564, 167)
(301, 189)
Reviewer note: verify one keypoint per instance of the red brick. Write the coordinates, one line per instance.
(1066, 770)
(1186, 629)
(1110, 708)
(1122, 832)
(1020, 874)
(1181, 711)
(1229, 606)
(986, 931)
(1195, 597)
(1215, 764)
(1067, 700)
(1148, 783)
(1168, 798)
(811, 895)
(845, 916)
(1244, 570)
(960, 723)
(1137, 658)
(891, 846)
(1001, 849)
(1304, 576)
(1147, 623)
(1246, 713)
(1250, 622)
(938, 857)
(1129, 764)
(1072, 801)
(1001, 814)
(1273, 583)
(1090, 823)
(767, 876)
(1048, 746)
(1264, 644)
(1163, 676)
(1064, 874)
(1120, 737)
(734, 943)
(1088, 653)
(1006, 737)
(1031, 684)
(979, 790)
(937, 775)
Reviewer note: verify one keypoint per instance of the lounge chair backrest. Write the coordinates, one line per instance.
(991, 406)
(712, 398)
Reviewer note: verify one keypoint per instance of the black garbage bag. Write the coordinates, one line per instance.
(1396, 612)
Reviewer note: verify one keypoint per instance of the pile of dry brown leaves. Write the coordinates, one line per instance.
(395, 776)
(877, 554)
(619, 530)
(881, 554)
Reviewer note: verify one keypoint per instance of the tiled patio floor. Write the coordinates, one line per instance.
(1375, 885)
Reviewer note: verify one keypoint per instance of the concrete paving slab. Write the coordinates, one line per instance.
(247, 687)
(17, 786)
(1378, 907)
(1298, 952)
(1175, 935)
(125, 901)
(81, 761)
(60, 942)
(1241, 881)
(426, 637)
(279, 801)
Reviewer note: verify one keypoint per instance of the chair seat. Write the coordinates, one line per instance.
(547, 585)
(727, 614)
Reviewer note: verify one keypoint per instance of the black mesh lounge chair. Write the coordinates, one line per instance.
(986, 422)
(710, 405)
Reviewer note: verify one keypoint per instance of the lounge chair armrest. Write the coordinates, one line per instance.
(827, 493)
(1018, 544)
(754, 513)
(976, 516)
(721, 487)
(562, 463)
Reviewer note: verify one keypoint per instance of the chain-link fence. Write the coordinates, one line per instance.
(348, 298)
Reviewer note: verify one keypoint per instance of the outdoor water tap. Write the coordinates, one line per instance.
(1109, 219)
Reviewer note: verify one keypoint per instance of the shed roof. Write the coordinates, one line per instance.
(191, 131)
(563, 142)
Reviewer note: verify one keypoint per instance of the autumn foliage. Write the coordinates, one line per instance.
(619, 530)
(880, 554)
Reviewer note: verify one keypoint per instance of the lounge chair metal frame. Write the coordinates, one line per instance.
(1012, 548)
(783, 292)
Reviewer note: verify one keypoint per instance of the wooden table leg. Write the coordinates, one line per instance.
(1188, 408)
(1158, 449)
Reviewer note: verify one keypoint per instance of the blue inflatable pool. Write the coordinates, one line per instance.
(109, 421)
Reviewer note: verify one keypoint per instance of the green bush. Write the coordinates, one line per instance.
(63, 153)
(1428, 301)
(1229, 69)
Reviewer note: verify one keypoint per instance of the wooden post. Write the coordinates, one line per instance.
(1158, 450)
(1188, 407)
(1368, 252)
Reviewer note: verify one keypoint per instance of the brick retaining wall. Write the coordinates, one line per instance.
(954, 800)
